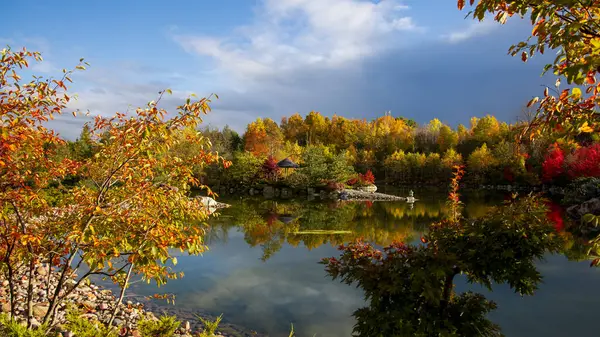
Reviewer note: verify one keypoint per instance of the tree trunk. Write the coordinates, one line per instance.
(121, 295)
(30, 292)
(54, 301)
(11, 289)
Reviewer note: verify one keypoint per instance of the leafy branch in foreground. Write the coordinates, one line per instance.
(572, 28)
(130, 208)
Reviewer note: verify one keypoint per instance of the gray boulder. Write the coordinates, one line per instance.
(591, 206)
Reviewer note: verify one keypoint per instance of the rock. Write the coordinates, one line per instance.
(591, 206)
(91, 317)
(89, 304)
(91, 296)
(268, 192)
(286, 193)
(370, 188)
(5, 307)
(374, 196)
(40, 310)
(187, 326)
(42, 271)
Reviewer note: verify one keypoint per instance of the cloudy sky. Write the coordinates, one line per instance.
(270, 58)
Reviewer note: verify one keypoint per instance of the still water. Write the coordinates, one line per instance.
(262, 271)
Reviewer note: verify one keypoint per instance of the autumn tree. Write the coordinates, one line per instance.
(294, 129)
(316, 128)
(447, 138)
(263, 137)
(570, 28)
(480, 162)
(131, 208)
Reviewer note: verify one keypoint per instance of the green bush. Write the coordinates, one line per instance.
(244, 170)
(165, 326)
(209, 327)
(11, 328)
(582, 190)
(84, 327)
(297, 180)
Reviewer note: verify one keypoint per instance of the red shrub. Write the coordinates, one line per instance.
(334, 186)
(586, 163)
(553, 165)
(367, 178)
(270, 168)
(352, 182)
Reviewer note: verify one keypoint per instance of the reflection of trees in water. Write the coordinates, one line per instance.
(410, 288)
(270, 224)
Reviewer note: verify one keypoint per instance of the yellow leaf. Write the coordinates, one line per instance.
(586, 128)
(576, 93)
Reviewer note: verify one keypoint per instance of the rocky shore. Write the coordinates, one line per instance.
(96, 303)
(371, 196)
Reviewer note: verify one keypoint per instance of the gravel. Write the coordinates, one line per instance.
(94, 302)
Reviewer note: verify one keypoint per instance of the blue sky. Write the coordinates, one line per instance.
(270, 58)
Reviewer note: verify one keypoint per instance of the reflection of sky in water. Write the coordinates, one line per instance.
(291, 287)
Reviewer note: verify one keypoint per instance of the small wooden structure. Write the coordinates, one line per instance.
(286, 164)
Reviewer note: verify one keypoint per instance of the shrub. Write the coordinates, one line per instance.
(352, 181)
(298, 179)
(209, 327)
(270, 169)
(83, 327)
(244, 170)
(368, 178)
(582, 190)
(165, 326)
(553, 164)
(334, 186)
(586, 162)
(11, 328)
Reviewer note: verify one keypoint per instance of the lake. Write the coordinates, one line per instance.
(262, 270)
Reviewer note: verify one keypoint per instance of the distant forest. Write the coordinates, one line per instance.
(398, 150)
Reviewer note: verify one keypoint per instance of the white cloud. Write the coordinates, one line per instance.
(288, 35)
(474, 29)
(45, 67)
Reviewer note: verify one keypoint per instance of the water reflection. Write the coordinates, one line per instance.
(270, 224)
(260, 273)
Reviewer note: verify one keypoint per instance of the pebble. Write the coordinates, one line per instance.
(96, 304)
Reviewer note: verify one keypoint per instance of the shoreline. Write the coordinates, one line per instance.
(96, 302)
(368, 196)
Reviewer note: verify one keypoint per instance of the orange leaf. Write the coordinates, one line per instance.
(461, 4)
(590, 78)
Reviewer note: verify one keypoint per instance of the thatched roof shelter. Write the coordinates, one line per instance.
(286, 219)
(287, 163)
